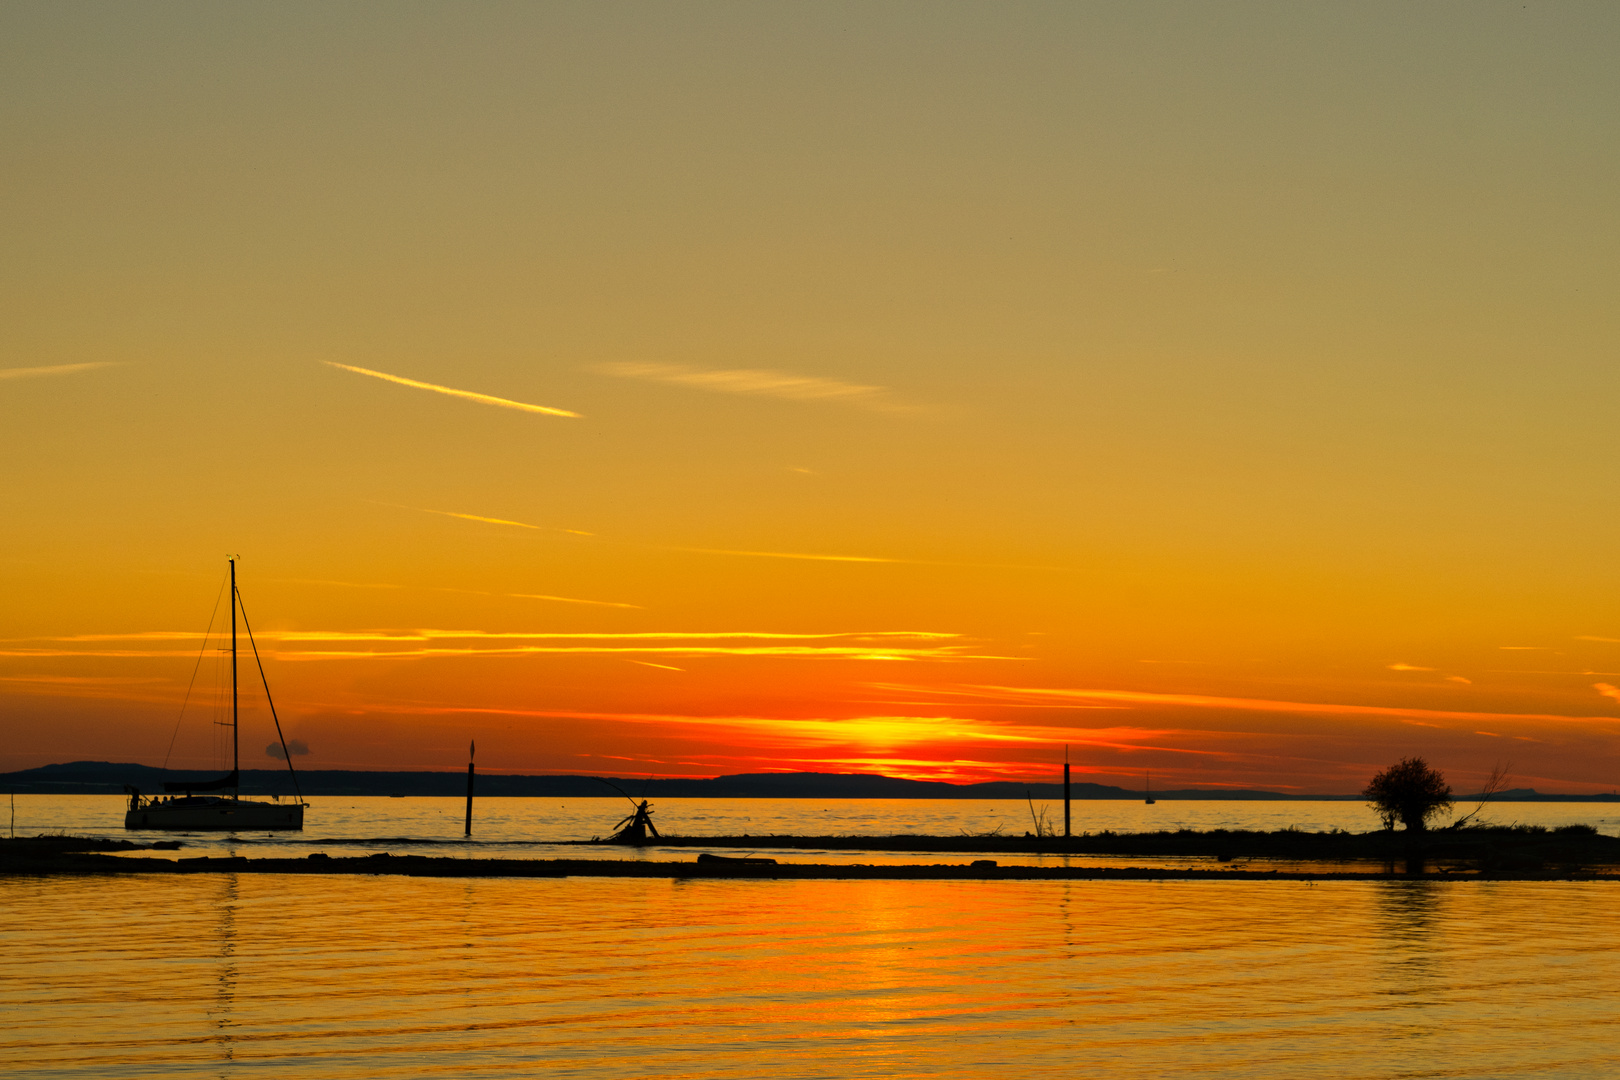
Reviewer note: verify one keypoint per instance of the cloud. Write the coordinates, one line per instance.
(486, 520)
(1408, 667)
(1607, 691)
(824, 652)
(431, 635)
(897, 645)
(759, 382)
(879, 645)
(298, 747)
(883, 730)
(1052, 696)
(810, 556)
(81, 680)
(483, 399)
(1459, 679)
(858, 559)
(632, 635)
(1593, 637)
(572, 600)
(465, 592)
(57, 369)
(804, 555)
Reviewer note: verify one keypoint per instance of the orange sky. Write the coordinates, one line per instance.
(1225, 392)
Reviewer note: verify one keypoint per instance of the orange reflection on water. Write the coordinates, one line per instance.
(364, 976)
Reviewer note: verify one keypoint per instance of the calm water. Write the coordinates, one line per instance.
(337, 977)
(532, 828)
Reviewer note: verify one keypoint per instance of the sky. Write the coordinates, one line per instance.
(1222, 392)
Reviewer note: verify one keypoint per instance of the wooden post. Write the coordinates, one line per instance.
(1065, 789)
(471, 749)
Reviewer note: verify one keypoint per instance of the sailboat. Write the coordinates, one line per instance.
(183, 808)
(1147, 790)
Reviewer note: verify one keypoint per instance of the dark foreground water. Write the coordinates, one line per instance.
(337, 977)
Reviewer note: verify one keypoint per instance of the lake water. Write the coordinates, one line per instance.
(538, 828)
(239, 976)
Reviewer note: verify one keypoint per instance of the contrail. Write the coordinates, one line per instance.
(571, 600)
(482, 518)
(788, 555)
(470, 395)
(58, 369)
(854, 558)
(728, 551)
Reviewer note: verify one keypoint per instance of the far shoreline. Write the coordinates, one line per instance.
(111, 778)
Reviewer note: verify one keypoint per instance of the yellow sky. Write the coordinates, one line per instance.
(1225, 391)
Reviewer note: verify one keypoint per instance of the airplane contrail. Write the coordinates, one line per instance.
(55, 369)
(470, 395)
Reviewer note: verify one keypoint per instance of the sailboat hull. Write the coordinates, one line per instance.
(200, 814)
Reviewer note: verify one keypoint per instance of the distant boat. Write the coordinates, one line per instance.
(191, 812)
(1147, 789)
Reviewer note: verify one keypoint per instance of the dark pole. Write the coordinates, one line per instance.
(236, 752)
(471, 747)
(1065, 789)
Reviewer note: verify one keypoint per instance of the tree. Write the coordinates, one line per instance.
(1409, 791)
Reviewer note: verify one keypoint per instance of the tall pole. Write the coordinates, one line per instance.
(236, 754)
(472, 747)
(1065, 789)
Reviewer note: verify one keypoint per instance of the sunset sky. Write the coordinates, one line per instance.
(1227, 391)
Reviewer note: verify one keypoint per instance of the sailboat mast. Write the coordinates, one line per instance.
(236, 755)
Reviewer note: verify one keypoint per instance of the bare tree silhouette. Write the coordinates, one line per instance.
(1495, 782)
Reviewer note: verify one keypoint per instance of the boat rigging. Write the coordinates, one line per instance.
(183, 809)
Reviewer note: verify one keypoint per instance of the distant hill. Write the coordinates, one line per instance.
(103, 777)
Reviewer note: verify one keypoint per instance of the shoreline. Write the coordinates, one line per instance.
(75, 864)
(1476, 854)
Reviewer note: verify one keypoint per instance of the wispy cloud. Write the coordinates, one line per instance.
(1408, 667)
(869, 731)
(1593, 637)
(1607, 691)
(469, 395)
(436, 635)
(572, 600)
(399, 644)
(1055, 696)
(759, 382)
(901, 645)
(813, 557)
(116, 688)
(824, 652)
(737, 552)
(548, 597)
(801, 555)
(81, 680)
(485, 520)
(55, 369)
(637, 635)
